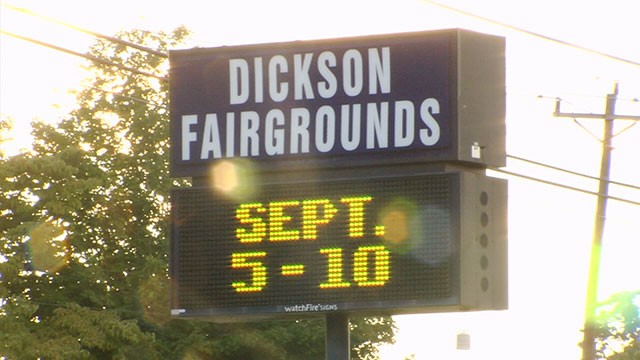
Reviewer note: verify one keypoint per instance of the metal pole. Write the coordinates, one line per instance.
(588, 343)
(337, 340)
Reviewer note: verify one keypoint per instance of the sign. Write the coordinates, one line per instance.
(413, 97)
(424, 243)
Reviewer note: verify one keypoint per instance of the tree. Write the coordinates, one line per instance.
(618, 335)
(84, 234)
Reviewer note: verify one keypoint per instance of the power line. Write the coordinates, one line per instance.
(507, 172)
(582, 95)
(95, 59)
(89, 57)
(515, 28)
(572, 172)
(106, 37)
(130, 98)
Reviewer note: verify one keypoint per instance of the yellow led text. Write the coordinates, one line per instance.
(310, 219)
(380, 265)
(258, 227)
(356, 214)
(277, 218)
(334, 278)
(258, 271)
(274, 220)
(292, 270)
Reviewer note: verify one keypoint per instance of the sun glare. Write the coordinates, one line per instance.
(234, 178)
(48, 249)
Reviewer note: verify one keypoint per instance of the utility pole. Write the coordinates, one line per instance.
(588, 343)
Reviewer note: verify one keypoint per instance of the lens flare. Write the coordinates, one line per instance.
(225, 176)
(396, 226)
(48, 248)
(194, 353)
(154, 299)
(399, 221)
(234, 178)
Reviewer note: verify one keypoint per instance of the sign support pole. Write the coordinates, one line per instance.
(338, 345)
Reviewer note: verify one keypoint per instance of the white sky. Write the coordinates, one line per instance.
(550, 229)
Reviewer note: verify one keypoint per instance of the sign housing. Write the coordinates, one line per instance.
(418, 243)
(403, 98)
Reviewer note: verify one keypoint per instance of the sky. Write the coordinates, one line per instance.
(550, 228)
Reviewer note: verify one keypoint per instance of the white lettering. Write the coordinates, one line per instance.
(404, 123)
(281, 135)
(377, 125)
(274, 138)
(210, 138)
(352, 72)
(301, 82)
(299, 130)
(187, 135)
(325, 121)
(350, 143)
(379, 71)
(249, 124)
(328, 88)
(231, 123)
(278, 64)
(257, 65)
(238, 81)
(431, 134)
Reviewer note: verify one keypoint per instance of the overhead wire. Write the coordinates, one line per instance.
(89, 32)
(572, 172)
(507, 172)
(528, 32)
(450, 8)
(86, 56)
(154, 104)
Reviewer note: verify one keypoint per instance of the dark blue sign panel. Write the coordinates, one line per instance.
(321, 103)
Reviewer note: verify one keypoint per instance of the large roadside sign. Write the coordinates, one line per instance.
(342, 175)
(402, 98)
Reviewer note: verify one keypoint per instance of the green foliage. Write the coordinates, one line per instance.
(5, 127)
(84, 235)
(618, 336)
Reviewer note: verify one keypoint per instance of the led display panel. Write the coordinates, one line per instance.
(390, 245)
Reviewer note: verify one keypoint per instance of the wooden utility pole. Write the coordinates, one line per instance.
(588, 343)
